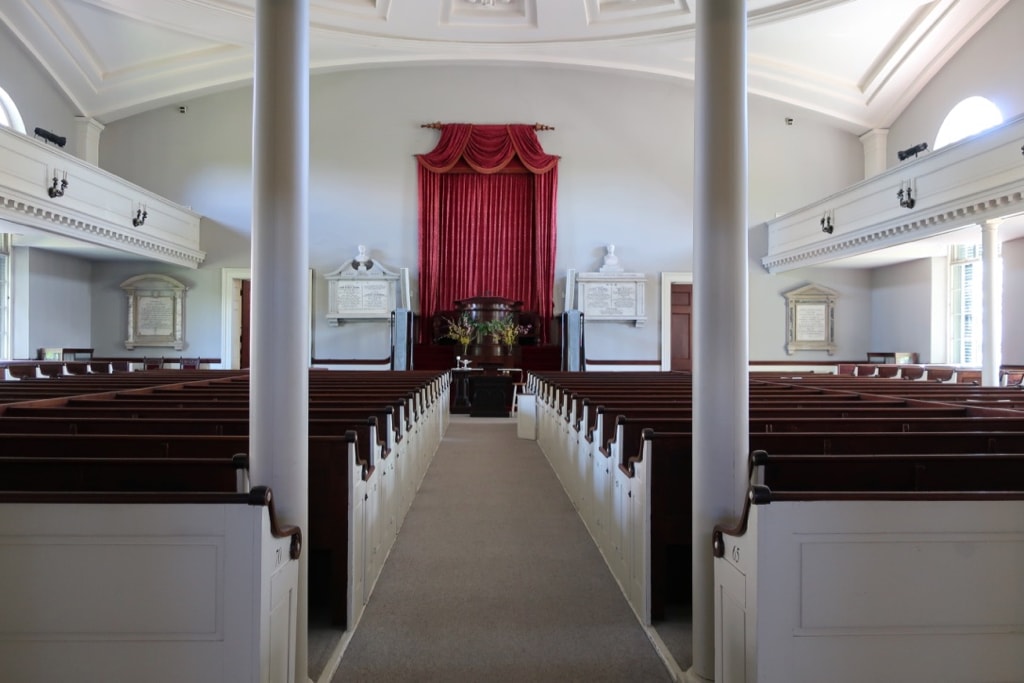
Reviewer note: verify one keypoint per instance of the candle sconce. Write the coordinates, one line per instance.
(906, 195)
(57, 188)
(828, 221)
(140, 216)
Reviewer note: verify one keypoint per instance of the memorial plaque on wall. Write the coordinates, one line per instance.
(156, 311)
(612, 296)
(810, 319)
(361, 290)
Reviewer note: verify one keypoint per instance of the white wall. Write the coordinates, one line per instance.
(202, 328)
(768, 307)
(52, 301)
(1013, 287)
(901, 320)
(625, 175)
(988, 65)
(40, 102)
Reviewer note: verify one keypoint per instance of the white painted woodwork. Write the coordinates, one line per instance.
(526, 416)
(97, 207)
(971, 181)
(107, 593)
(379, 502)
(872, 591)
(614, 507)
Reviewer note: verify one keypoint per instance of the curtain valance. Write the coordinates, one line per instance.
(487, 149)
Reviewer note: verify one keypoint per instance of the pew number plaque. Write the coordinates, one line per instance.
(810, 319)
(156, 311)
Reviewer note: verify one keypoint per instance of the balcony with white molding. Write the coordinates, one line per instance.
(966, 183)
(95, 207)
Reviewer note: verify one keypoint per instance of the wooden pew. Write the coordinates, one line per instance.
(393, 416)
(831, 418)
(162, 587)
(889, 472)
(30, 473)
(809, 578)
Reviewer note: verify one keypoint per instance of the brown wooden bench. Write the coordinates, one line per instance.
(890, 472)
(29, 473)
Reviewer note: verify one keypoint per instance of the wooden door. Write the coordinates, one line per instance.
(243, 356)
(682, 327)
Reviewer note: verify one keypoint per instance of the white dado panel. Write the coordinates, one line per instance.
(96, 207)
(965, 183)
(188, 568)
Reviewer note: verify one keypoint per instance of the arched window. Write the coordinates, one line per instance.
(970, 116)
(9, 114)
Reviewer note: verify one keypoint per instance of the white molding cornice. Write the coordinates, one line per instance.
(978, 179)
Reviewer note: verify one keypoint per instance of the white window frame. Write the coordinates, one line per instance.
(9, 114)
(970, 116)
(5, 296)
(965, 302)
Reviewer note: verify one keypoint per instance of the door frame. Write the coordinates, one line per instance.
(667, 280)
(231, 315)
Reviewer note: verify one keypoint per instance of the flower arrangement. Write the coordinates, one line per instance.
(506, 331)
(462, 330)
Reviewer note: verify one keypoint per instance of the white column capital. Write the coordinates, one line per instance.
(875, 143)
(87, 139)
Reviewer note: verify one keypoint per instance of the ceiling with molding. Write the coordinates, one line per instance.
(855, 63)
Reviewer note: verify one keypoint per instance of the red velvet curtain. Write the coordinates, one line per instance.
(487, 219)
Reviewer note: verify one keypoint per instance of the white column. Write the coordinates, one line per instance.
(279, 379)
(720, 382)
(875, 148)
(991, 304)
(87, 139)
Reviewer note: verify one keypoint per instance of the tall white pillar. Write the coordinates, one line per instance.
(875, 148)
(279, 367)
(87, 139)
(991, 304)
(720, 380)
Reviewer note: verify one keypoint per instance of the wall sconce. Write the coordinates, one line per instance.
(58, 140)
(906, 195)
(57, 188)
(905, 154)
(140, 216)
(828, 221)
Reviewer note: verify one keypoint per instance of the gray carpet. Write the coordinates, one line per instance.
(494, 578)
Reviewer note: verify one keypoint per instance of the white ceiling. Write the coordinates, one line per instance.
(857, 63)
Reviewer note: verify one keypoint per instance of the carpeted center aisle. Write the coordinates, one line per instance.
(494, 578)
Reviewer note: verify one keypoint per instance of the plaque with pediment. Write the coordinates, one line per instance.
(612, 296)
(361, 289)
(156, 311)
(810, 319)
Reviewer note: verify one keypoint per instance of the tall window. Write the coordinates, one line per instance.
(965, 304)
(970, 116)
(9, 114)
(10, 117)
(5, 296)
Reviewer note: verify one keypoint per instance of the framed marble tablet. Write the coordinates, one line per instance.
(810, 319)
(361, 289)
(612, 296)
(156, 311)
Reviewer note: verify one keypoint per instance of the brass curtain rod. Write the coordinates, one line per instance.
(437, 126)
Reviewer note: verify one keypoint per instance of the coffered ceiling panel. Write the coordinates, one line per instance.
(858, 62)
